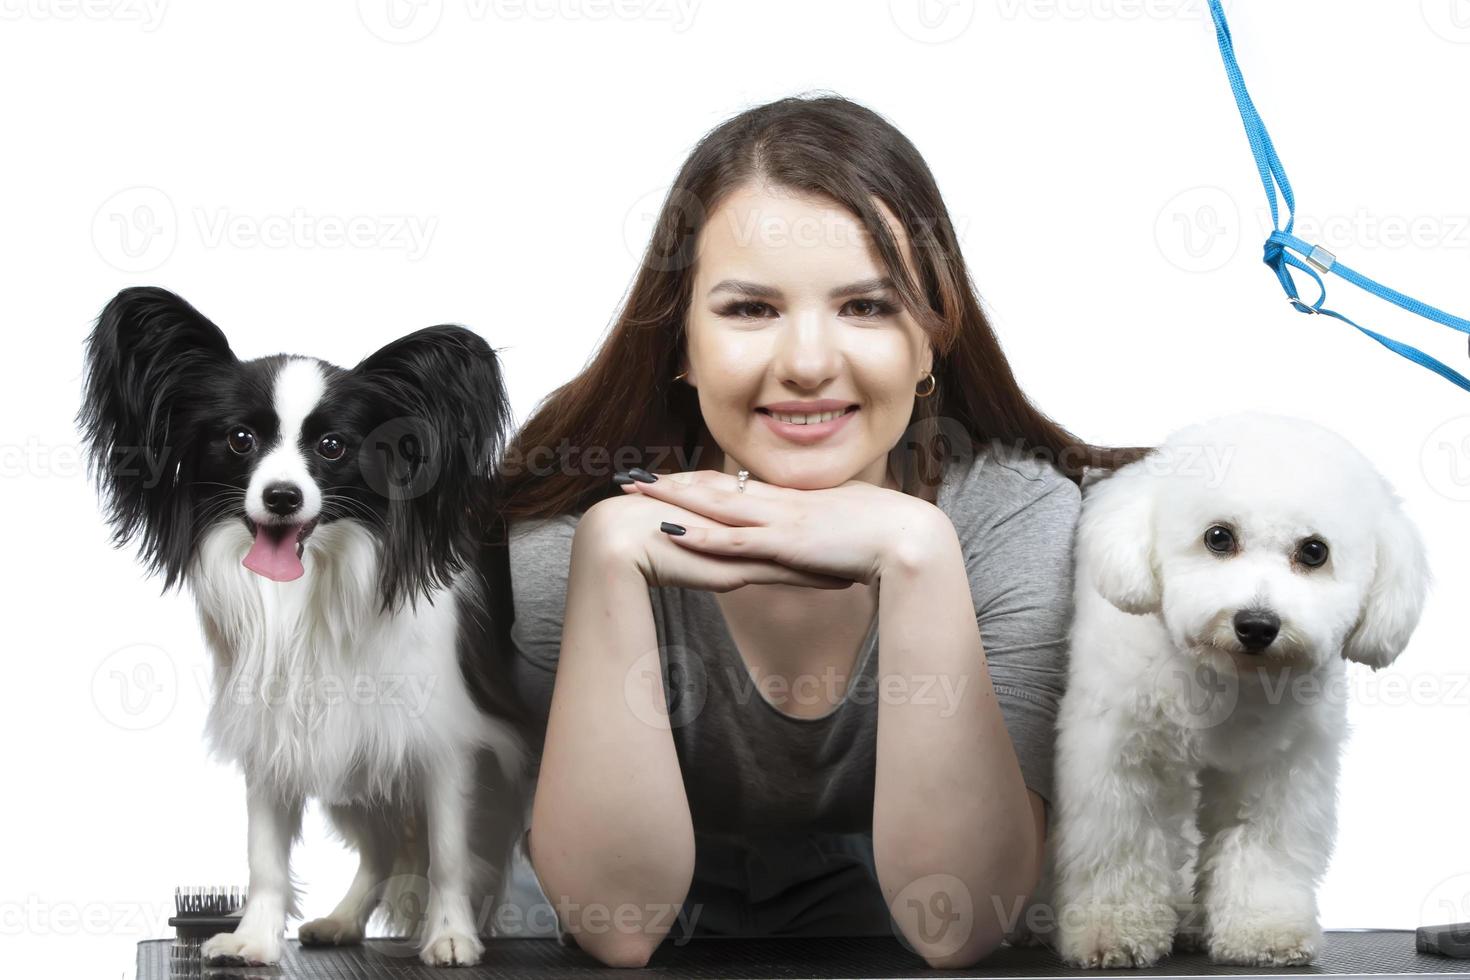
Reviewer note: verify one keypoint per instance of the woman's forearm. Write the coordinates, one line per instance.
(953, 830)
(611, 836)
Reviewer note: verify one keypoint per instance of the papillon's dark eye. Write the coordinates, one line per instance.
(1220, 539)
(331, 447)
(241, 440)
(1312, 552)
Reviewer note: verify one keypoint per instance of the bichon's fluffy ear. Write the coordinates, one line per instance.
(1401, 578)
(1116, 539)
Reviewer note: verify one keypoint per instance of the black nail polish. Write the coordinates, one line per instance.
(670, 528)
(621, 478)
(642, 475)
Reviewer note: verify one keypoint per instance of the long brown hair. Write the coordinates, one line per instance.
(624, 409)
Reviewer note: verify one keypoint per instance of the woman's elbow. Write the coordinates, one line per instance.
(954, 927)
(618, 949)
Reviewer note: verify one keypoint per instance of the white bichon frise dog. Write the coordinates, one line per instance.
(1222, 582)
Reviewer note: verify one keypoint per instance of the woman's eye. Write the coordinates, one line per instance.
(1312, 552)
(241, 440)
(742, 308)
(331, 447)
(1220, 539)
(872, 308)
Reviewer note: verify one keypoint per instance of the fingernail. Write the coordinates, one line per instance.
(621, 478)
(669, 528)
(642, 475)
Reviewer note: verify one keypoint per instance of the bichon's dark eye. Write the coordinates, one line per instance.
(241, 440)
(331, 447)
(1312, 552)
(1220, 539)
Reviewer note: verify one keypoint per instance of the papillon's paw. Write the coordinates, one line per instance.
(1265, 942)
(450, 948)
(330, 932)
(235, 948)
(1113, 937)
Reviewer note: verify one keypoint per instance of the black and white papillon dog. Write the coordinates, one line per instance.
(335, 527)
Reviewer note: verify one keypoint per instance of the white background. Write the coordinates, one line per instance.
(1090, 155)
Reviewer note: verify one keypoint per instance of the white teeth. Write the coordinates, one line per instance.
(808, 419)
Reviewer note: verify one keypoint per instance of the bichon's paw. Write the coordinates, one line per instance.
(236, 948)
(1267, 943)
(1124, 936)
(329, 932)
(450, 948)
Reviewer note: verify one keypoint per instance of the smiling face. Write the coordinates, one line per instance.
(791, 321)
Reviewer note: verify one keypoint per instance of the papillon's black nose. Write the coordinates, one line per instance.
(283, 499)
(1256, 628)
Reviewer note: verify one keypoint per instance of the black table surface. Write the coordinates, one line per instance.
(1345, 953)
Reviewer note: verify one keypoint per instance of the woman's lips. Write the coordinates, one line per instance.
(806, 434)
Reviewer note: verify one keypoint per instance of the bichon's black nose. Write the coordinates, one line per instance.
(1256, 628)
(283, 499)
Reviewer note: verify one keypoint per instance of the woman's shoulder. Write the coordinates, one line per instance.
(999, 481)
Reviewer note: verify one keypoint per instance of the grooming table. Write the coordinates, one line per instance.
(1345, 953)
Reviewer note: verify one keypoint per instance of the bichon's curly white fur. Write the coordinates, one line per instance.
(1222, 583)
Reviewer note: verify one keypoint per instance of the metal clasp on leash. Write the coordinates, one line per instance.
(1321, 259)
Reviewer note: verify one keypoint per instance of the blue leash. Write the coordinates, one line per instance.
(1281, 243)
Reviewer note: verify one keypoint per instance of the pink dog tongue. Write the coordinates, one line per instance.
(274, 553)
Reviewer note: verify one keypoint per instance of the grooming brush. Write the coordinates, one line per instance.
(1446, 940)
(201, 913)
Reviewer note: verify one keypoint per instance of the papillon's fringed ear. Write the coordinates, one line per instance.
(442, 412)
(1115, 539)
(149, 360)
(1401, 580)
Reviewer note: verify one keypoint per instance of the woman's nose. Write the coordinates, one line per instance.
(808, 353)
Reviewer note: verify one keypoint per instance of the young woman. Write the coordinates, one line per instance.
(811, 690)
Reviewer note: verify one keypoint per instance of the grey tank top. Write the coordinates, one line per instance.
(752, 770)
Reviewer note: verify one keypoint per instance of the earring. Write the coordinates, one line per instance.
(933, 383)
(678, 376)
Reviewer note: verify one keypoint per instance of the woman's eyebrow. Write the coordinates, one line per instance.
(747, 288)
